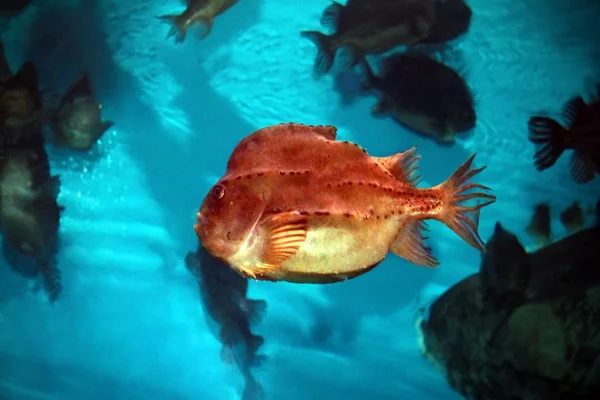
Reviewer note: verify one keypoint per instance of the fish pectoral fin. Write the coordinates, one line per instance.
(409, 244)
(203, 26)
(281, 236)
(403, 166)
(582, 167)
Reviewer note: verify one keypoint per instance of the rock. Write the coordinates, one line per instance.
(527, 326)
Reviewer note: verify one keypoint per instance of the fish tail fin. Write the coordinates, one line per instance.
(325, 55)
(548, 137)
(256, 310)
(464, 220)
(178, 28)
(52, 279)
(252, 390)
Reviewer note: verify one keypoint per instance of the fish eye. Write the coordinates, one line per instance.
(219, 191)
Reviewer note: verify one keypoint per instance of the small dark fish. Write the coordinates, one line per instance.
(21, 110)
(369, 28)
(505, 269)
(12, 8)
(29, 212)
(5, 71)
(540, 227)
(77, 123)
(580, 133)
(572, 218)
(197, 12)
(425, 95)
(453, 19)
(224, 296)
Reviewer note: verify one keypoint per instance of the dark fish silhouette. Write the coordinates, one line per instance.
(539, 227)
(12, 8)
(5, 71)
(505, 269)
(573, 218)
(29, 212)
(453, 19)
(580, 133)
(21, 110)
(362, 28)
(423, 94)
(224, 296)
(77, 123)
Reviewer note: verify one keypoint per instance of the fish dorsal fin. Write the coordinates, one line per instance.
(80, 88)
(329, 132)
(409, 244)
(403, 166)
(331, 16)
(573, 110)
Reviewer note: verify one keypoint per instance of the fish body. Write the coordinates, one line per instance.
(453, 19)
(78, 122)
(299, 206)
(21, 110)
(505, 271)
(423, 94)
(12, 8)
(573, 218)
(224, 297)
(5, 71)
(29, 213)
(539, 227)
(198, 12)
(580, 132)
(369, 28)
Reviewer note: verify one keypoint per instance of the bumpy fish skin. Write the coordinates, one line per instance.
(297, 205)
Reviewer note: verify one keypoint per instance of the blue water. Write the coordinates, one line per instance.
(129, 324)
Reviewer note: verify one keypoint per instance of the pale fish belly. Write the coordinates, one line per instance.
(343, 248)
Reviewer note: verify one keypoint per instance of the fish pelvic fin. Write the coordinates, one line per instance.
(325, 54)
(178, 27)
(462, 219)
(52, 279)
(548, 137)
(409, 244)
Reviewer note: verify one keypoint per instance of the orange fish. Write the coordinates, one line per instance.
(296, 205)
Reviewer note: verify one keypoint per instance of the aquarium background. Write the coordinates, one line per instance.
(129, 324)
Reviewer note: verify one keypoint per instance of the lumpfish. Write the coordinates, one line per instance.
(296, 205)
(369, 28)
(29, 212)
(453, 19)
(424, 95)
(581, 133)
(12, 8)
(505, 268)
(540, 228)
(21, 109)
(224, 297)
(77, 122)
(200, 12)
(573, 218)
(5, 71)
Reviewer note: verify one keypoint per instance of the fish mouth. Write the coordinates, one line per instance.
(201, 221)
